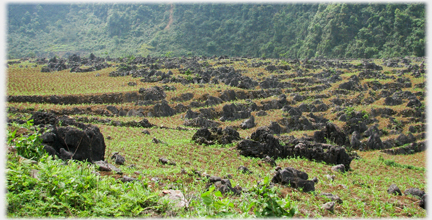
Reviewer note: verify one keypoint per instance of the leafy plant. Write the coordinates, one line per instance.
(29, 146)
(189, 78)
(349, 111)
(365, 115)
(267, 202)
(215, 202)
(188, 72)
(50, 189)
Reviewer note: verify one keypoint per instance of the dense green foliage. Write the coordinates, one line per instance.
(58, 190)
(28, 146)
(270, 30)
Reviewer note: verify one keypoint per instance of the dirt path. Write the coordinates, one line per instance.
(170, 17)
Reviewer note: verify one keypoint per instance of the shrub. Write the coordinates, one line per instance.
(52, 189)
(349, 111)
(267, 203)
(29, 146)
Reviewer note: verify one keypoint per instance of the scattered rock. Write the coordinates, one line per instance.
(373, 143)
(329, 206)
(152, 94)
(166, 161)
(338, 168)
(332, 197)
(104, 166)
(176, 197)
(261, 113)
(422, 202)
(201, 122)
(163, 110)
(330, 177)
(128, 179)
(119, 159)
(157, 141)
(270, 161)
(355, 140)
(294, 178)
(393, 189)
(415, 192)
(223, 185)
(392, 101)
(248, 123)
(244, 169)
(216, 135)
(263, 143)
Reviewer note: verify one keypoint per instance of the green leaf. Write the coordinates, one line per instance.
(207, 199)
(218, 194)
(266, 180)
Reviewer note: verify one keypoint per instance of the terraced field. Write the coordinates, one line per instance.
(373, 111)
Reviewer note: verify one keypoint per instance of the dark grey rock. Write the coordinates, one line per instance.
(261, 113)
(166, 161)
(201, 122)
(128, 179)
(112, 109)
(270, 161)
(422, 202)
(152, 94)
(355, 140)
(248, 123)
(163, 110)
(119, 159)
(244, 169)
(393, 189)
(415, 192)
(294, 178)
(373, 143)
(392, 101)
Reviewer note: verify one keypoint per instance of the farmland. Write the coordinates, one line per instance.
(379, 101)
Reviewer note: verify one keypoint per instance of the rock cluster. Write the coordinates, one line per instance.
(263, 144)
(216, 136)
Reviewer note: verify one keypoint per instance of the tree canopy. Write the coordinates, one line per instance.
(256, 30)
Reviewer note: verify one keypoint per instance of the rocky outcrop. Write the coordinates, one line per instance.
(201, 122)
(154, 93)
(410, 149)
(68, 139)
(263, 143)
(216, 136)
(331, 133)
(162, 110)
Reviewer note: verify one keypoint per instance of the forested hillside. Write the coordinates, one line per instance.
(255, 30)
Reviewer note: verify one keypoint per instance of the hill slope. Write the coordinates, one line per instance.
(258, 30)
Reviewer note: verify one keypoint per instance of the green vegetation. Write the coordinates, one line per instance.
(29, 146)
(394, 164)
(258, 30)
(51, 189)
